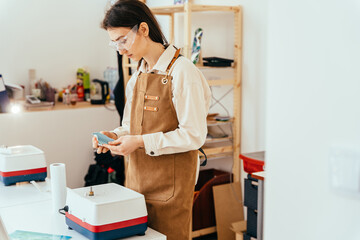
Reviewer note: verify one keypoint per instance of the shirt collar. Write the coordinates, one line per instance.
(163, 61)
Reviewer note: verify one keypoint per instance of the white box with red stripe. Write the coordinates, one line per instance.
(22, 163)
(107, 211)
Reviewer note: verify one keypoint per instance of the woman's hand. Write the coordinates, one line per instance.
(102, 149)
(125, 145)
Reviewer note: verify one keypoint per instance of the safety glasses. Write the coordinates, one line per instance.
(125, 43)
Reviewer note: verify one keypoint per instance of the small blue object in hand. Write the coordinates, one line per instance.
(102, 139)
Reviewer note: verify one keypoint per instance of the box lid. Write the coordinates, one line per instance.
(18, 158)
(106, 194)
(19, 151)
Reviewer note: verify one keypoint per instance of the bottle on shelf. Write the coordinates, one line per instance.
(66, 96)
(79, 84)
(111, 76)
(86, 84)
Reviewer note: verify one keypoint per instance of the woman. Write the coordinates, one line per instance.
(164, 118)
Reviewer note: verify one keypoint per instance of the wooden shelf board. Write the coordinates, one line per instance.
(217, 156)
(209, 67)
(61, 106)
(217, 150)
(203, 232)
(211, 123)
(221, 82)
(217, 140)
(168, 10)
(198, 66)
(216, 82)
(204, 8)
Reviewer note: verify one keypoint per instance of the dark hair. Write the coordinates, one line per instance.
(128, 13)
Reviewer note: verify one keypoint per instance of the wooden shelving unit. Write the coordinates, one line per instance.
(187, 9)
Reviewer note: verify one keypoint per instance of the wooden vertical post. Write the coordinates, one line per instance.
(187, 53)
(237, 93)
(187, 28)
(172, 27)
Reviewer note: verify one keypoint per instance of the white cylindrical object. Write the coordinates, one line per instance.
(32, 79)
(32, 74)
(58, 185)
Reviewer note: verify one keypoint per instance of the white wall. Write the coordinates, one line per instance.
(313, 85)
(218, 40)
(53, 37)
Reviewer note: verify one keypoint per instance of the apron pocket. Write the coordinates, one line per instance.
(158, 180)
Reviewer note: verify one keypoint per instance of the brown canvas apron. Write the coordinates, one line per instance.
(167, 181)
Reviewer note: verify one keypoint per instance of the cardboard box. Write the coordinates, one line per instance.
(228, 209)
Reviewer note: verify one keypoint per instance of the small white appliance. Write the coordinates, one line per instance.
(21, 163)
(106, 211)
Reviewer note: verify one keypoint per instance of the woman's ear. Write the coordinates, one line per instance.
(144, 29)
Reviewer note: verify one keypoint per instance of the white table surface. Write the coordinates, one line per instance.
(25, 208)
(21, 194)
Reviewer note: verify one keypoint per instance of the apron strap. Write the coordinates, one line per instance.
(177, 53)
(205, 161)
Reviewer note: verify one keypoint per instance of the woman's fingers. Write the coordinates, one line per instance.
(116, 142)
(104, 150)
(113, 149)
(124, 145)
(109, 134)
(99, 150)
(95, 142)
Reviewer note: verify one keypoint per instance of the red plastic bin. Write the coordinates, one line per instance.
(253, 162)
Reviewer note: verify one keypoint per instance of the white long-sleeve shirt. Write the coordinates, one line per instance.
(191, 98)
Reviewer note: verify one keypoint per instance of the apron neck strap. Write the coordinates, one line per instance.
(177, 53)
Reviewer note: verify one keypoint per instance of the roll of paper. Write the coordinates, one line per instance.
(58, 186)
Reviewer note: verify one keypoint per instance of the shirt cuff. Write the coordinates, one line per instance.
(120, 131)
(150, 141)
